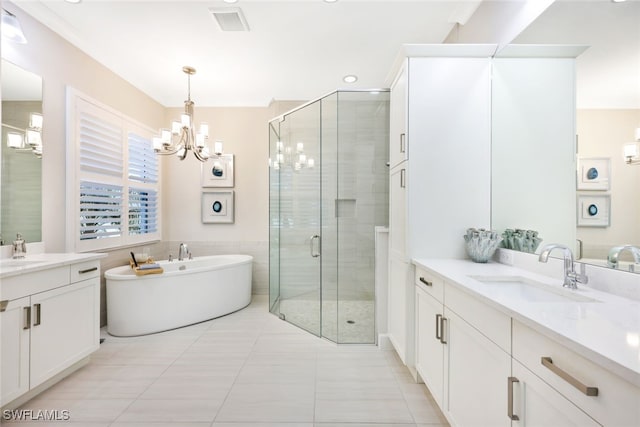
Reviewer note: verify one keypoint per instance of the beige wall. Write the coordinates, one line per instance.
(243, 130)
(602, 133)
(244, 133)
(61, 64)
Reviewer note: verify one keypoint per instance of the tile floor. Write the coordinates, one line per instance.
(245, 369)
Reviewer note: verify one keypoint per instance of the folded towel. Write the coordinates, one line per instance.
(148, 266)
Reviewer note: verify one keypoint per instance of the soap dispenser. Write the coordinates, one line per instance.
(19, 247)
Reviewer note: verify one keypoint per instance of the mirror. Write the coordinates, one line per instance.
(608, 112)
(21, 177)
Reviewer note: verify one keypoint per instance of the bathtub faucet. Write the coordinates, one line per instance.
(183, 251)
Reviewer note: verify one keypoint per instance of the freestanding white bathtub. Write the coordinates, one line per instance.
(187, 292)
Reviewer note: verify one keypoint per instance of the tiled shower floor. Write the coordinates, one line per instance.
(346, 321)
(245, 369)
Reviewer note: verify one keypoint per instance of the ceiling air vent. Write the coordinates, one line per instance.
(229, 19)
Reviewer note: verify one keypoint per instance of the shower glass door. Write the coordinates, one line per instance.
(297, 155)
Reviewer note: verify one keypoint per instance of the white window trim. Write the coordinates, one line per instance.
(75, 100)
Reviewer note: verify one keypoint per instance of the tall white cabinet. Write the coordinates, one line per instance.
(440, 157)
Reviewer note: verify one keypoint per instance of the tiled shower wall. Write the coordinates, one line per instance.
(161, 250)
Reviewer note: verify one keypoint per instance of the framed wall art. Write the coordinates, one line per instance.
(594, 211)
(217, 207)
(594, 173)
(218, 171)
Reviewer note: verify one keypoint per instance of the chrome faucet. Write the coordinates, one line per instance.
(571, 278)
(183, 251)
(614, 253)
(19, 247)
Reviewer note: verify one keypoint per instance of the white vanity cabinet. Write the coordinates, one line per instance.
(430, 343)
(440, 123)
(465, 370)
(535, 403)
(50, 322)
(606, 398)
(492, 360)
(14, 345)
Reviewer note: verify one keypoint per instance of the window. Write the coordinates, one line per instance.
(115, 177)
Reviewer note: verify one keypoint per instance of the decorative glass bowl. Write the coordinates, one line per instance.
(481, 244)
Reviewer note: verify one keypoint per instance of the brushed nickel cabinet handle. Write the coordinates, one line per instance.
(88, 270)
(426, 282)
(3, 305)
(37, 308)
(27, 318)
(403, 180)
(438, 325)
(443, 320)
(510, 414)
(403, 144)
(548, 363)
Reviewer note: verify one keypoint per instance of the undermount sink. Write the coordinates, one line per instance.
(530, 290)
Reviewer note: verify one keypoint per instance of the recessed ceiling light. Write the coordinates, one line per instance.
(330, 1)
(73, 1)
(618, 1)
(230, 1)
(350, 78)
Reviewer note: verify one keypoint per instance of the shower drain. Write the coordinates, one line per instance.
(351, 322)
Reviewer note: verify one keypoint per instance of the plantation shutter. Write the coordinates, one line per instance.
(115, 174)
(101, 161)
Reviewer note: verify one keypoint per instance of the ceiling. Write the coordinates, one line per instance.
(301, 49)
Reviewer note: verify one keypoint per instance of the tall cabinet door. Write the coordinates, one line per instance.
(398, 143)
(64, 328)
(400, 298)
(14, 333)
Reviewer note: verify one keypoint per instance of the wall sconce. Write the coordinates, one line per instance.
(631, 154)
(29, 139)
(11, 29)
(632, 150)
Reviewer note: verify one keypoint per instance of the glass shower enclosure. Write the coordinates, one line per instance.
(328, 190)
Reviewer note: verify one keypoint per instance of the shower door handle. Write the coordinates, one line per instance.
(312, 248)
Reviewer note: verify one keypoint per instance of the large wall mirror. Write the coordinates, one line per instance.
(21, 196)
(608, 113)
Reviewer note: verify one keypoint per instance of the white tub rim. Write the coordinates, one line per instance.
(126, 273)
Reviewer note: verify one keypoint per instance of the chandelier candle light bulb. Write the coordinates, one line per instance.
(183, 138)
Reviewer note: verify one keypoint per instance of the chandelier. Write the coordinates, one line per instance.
(182, 137)
(285, 157)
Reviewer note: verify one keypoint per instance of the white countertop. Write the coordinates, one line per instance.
(607, 332)
(35, 262)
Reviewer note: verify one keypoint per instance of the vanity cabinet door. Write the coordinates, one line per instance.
(65, 328)
(477, 370)
(430, 350)
(536, 404)
(14, 333)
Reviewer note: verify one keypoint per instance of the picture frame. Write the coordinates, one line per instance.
(218, 171)
(218, 207)
(594, 173)
(594, 210)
